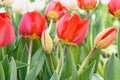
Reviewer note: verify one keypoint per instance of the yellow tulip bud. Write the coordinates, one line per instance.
(56, 39)
(105, 38)
(46, 42)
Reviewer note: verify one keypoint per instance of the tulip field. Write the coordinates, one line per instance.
(59, 40)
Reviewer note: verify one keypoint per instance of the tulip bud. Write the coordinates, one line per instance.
(46, 42)
(105, 38)
(114, 7)
(87, 4)
(56, 39)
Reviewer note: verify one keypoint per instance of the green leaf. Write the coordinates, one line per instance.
(54, 76)
(32, 74)
(38, 59)
(23, 58)
(96, 57)
(112, 69)
(37, 64)
(2, 74)
(6, 67)
(20, 64)
(69, 68)
(87, 73)
(70, 78)
(13, 75)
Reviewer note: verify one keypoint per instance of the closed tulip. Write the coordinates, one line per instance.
(46, 42)
(87, 4)
(114, 7)
(105, 38)
(7, 35)
(71, 29)
(32, 24)
(54, 10)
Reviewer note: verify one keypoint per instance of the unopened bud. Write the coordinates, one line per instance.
(56, 39)
(46, 42)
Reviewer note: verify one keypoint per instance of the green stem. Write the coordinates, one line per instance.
(50, 25)
(51, 62)
(90, 30)
(3, 52)
(118, 41)
(86, 60)
(29, 55)
(61, 60)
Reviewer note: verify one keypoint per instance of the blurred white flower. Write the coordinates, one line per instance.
(38, 4)
(93, 16)
(2, 10)
(1, 2)
(105, 2)
(8, 2)
(69, 4)
(21, 6)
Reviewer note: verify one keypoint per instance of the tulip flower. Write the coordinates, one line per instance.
(54, 10)
(32, 24)
(105, 38)
(114, 7)
(21, 6)
(6, 2)
(87, 4)
(7, 35)
(69, 4)
(38, 5)
(46, 42)
(71, 29)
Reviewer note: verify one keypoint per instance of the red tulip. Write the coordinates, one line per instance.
(87, 4)
(71, 29)
(54, 10)
(114, 7)
(32, 24)
(105, 38)
(7, 35)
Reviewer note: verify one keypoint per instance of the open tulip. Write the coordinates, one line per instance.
(54, 10)
(87, 4)
(32, 24)
(114, 7)
(71, 29)
(7, 35)
(105, 38)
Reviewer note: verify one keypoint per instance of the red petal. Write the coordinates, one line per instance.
(7, 34)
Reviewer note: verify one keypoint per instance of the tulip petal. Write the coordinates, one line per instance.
(105, 38)
(71, 27)
(7, 34)
(32, 24)
(81, 32)
(108, 40)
